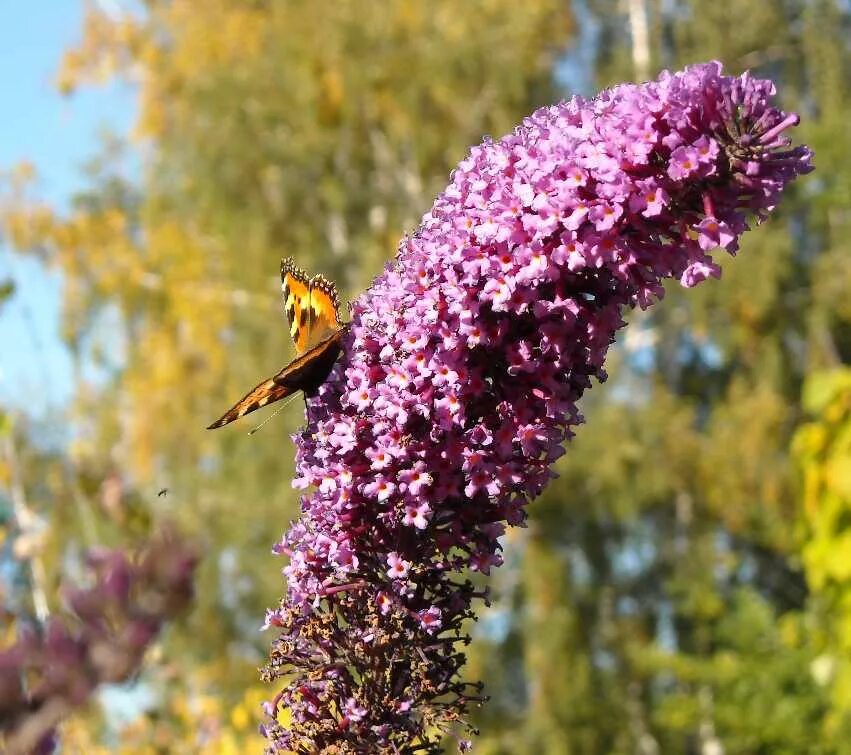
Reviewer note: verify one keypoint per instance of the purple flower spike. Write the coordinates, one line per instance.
(459, 382)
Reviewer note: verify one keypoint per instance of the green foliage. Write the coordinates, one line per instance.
(7, 291)
(823, 450)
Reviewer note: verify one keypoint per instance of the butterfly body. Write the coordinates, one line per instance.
(311, 307)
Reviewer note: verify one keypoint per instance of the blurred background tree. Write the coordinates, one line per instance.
(678, 589)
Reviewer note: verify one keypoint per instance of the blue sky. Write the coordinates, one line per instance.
(57, 134)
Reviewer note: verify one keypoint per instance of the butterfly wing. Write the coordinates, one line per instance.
(267, 392)
(310, 304)
(308, 371)
(305, 373)
(323, 318)
(295, 286)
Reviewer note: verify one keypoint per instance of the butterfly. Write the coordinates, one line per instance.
(312, 310)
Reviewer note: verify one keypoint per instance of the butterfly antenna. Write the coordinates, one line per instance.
(274, 413)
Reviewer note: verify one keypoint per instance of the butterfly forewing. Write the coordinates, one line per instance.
(295, 286)
(310, 305)
(322, 318)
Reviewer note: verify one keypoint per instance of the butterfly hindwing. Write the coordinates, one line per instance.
(305, 373)
(308, 371)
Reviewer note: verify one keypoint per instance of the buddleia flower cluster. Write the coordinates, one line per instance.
(458, 385)
(49, 673)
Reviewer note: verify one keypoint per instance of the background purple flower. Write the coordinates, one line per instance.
(460, 377)
(50, 672)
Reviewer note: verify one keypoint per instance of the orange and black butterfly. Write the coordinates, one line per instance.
(311, 306)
